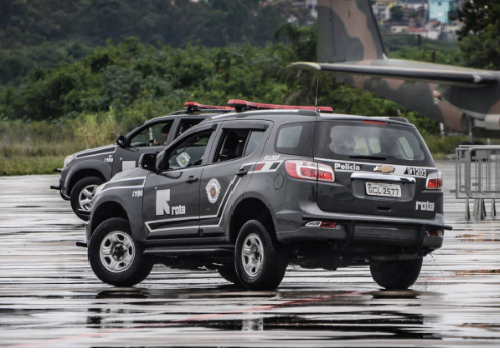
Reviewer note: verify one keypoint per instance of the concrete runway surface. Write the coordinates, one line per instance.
(49, 296)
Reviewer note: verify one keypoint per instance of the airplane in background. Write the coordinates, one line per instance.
(350, 47)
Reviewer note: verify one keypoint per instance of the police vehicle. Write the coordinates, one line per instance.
(249, 192)
(84, 171)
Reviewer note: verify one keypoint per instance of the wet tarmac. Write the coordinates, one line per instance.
(49, 296)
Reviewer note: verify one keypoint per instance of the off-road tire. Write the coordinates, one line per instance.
(138, 269)
(274, 260)
(400, 274)
(75, 194)
(229, 274)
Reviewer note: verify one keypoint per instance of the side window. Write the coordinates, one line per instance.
(187, 124)
(152, 135)
(253, 141)
(231, 145)
(295, 139)
(190, 151)
(237, 143)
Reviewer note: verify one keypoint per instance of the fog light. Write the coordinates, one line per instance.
(313, 224)
(323, 224)
(435, 232)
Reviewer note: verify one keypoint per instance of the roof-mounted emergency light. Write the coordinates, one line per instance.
(194, 106)
(240, 105)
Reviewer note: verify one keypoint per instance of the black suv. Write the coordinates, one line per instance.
(248, 193)
(84, 171)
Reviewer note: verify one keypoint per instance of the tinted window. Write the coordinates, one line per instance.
(295, 139)
(358, 141)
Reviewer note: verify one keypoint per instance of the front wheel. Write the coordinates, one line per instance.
(260, 261)
(115, 257)
(82, 195)
(400, 274)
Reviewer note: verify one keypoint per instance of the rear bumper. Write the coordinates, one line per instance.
(410, 233)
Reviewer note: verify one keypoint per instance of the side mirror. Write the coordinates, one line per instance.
(120, 140)
(148, 162)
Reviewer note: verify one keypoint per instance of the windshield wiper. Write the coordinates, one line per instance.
(375, 158)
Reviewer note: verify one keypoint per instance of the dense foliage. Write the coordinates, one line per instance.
(45, 32)
(141, 81)
(480, 36)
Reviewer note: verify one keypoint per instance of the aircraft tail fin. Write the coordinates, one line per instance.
(348, 31)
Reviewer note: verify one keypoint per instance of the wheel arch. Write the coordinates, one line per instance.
(247, 209)
(84, 169)
(105, 211)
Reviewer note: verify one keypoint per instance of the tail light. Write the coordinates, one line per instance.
(434, 181)
(310, 171)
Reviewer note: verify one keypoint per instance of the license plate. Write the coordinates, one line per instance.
(380, 189)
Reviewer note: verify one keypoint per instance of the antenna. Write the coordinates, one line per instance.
(316, 101)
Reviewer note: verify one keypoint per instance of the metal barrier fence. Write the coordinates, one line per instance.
(478, 177)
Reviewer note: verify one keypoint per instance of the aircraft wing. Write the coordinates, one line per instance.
(431, 74)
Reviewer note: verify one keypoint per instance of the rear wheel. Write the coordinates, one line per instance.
(400, 274)
(259, 260)
(82, 195)
(229, 274)
(115, 257)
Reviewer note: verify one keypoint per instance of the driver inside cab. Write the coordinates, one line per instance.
(164, 131)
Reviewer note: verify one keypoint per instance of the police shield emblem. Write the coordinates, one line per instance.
(213, 190)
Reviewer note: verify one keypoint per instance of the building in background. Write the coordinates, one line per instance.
(440, 9)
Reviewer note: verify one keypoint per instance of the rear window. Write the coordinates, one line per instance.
(371, 143)
(296, 139)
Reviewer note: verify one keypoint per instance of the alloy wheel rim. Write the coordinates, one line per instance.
(252, 255)
(86, 196)
(117, 252)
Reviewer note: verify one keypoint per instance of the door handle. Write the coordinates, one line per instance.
(242, 172)
(191, 179)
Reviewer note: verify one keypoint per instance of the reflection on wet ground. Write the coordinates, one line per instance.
(49, 296)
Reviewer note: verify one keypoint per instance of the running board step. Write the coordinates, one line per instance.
(192, 250)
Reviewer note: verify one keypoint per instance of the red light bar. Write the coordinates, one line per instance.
(373, 122)
(240, 104)
(198, 106)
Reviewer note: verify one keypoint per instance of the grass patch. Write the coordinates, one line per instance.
(30, 165)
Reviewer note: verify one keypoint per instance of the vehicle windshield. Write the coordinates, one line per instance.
(358, 141)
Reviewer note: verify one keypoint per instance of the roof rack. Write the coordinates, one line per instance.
(243, 105)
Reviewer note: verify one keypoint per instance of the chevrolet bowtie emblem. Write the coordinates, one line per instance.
(384, 169)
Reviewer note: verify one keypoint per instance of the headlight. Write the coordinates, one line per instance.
(68, 160)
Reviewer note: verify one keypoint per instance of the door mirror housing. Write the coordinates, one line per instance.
(120, 140)
(148, 162)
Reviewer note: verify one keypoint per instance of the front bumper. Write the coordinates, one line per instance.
(60, 187)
